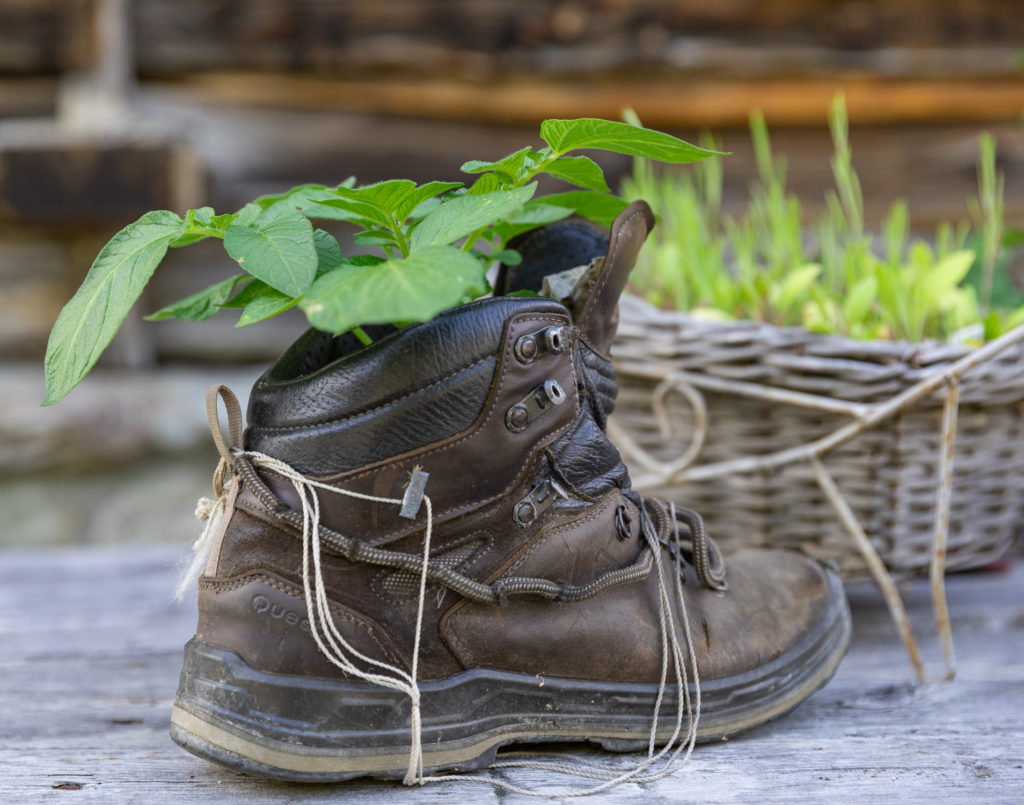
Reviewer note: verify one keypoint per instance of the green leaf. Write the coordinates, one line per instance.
(115, 280)
(302, 198)
(259, 301)
(794, 286)
(415, 288)
(362, 260)
(266, 304)
(534, 214)
(1013, 238)
(202, 223)
(375, 237)
(199, 217)
(306, 199)
(1014, 319)
(540, 212)
(460, 216)
(222, 221)
(487, 183)
(424, 208)
(248, 213)
(415, 199)
(328, 252)
(949, 272)
(201, 305)
(602, 208)
(277, 248)
(373, 204)
(188, 239)
(622, 138)
(272, 199)
(580, 171)
(506, 167)
(247, 294)
(859, 300)
(509, 257)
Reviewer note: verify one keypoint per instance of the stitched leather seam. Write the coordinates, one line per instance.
(227, 585)
(494, 402)
(267, 516)
(596, 293)
(382, 406)
(473, 430)
(463, 652)
(527, 465)
(562, 529)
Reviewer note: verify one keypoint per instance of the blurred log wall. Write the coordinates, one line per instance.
(231, 98)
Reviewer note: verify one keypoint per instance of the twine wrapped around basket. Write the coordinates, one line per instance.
(694, 394)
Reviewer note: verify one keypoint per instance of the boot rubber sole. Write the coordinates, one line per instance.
(321, 730)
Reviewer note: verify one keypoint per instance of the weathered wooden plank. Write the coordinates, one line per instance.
(932, 167)
(91, 647)
(52, 177)
(27, 97)
(43, 36)
(466, 37)
(665, 102)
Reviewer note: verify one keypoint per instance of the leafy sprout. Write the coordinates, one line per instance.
(435, 243)
(772, 264)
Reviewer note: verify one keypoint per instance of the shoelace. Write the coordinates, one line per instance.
(704, 553)
(660, 527)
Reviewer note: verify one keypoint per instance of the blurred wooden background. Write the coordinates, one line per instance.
(109, 108)
(174, 102)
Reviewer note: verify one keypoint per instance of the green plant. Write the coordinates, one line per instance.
(771, 264)
(436, 242)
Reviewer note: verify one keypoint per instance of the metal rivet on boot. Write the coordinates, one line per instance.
(550, 340)
(524, 513)
(526, 348)
(518, 417)
(540, 499)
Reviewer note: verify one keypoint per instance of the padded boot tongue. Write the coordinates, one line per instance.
(573, 262)
(600, 317)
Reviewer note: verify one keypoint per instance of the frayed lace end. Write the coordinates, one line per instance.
(210, 511)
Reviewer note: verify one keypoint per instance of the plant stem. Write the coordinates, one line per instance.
(403, 243)
(206, 232)
(990, 204)
(360, 333)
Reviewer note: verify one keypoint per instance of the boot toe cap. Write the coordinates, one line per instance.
(776, 602)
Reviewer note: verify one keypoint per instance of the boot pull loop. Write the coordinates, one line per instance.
(234, 411)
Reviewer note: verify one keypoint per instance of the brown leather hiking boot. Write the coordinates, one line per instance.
(555, 601)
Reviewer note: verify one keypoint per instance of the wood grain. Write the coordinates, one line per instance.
(679, 102)
(91, 651)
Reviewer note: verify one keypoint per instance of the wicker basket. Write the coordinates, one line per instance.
(888, 473)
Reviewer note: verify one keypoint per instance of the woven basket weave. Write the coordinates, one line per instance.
(887, 474)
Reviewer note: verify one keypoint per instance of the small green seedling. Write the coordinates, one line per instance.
(435, 243)
(772, 264)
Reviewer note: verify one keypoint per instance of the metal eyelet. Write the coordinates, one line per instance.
(542, 399)
(549, 341)
(540, 499)
(623, 524)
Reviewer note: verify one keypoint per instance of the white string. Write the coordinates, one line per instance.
(209, 511)
(670, 647)
(335, 648)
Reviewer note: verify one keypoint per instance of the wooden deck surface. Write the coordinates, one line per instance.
(90, 650)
